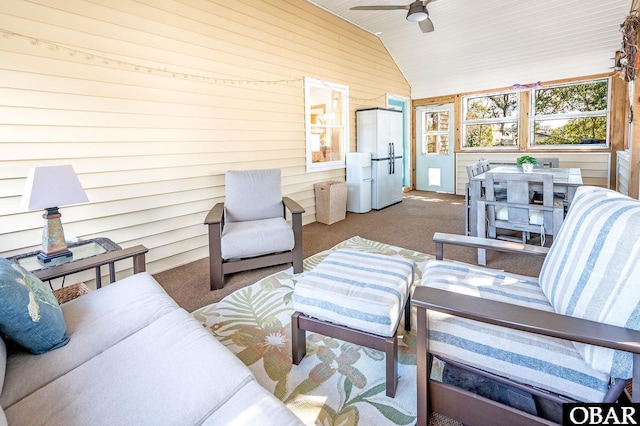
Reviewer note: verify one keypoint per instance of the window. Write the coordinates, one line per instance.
(327, 118)
(490, 120)
(435, 132)
(575, 114)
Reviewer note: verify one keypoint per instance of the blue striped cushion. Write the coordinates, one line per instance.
(593, 266)
(361, 290)
(544, 362)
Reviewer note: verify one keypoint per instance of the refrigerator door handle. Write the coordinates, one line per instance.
(392, 158)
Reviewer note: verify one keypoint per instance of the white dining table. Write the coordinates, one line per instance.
(565, 180)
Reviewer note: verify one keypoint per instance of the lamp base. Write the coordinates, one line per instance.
(55, 258)
(54, 245)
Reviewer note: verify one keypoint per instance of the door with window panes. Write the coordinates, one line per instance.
(434, 148)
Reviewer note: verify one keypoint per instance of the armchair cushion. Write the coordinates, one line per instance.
(600, 240)
(253, 195)
(541, 361)
(255, 238)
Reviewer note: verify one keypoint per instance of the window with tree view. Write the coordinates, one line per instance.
(490, 120)
(573, 114)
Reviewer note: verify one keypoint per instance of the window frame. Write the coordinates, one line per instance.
(310, 83)
(490, 121)
(572, 147)
(425, 133)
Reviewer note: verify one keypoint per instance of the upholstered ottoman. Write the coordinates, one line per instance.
(357, 297)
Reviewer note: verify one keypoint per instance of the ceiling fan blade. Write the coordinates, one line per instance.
(426, 26)
(405, 7)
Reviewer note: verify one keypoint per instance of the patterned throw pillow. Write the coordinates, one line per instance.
(29, 312)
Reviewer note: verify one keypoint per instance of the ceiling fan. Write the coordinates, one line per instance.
(417, 12)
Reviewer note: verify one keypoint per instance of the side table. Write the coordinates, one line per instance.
(81, 250)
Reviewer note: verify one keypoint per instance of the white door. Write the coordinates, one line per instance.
(434, 148)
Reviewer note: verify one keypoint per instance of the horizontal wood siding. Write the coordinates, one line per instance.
(622, 173)
(593, 165)
(152, 101)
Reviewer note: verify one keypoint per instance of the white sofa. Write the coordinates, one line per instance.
(134, 358)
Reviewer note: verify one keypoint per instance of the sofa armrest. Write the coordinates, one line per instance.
(441, 238)
(136, 253)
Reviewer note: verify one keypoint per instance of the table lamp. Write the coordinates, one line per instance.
(48, 188)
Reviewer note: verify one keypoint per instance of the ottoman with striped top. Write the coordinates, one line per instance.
(358, 297)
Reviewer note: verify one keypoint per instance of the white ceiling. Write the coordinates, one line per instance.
(487, 44)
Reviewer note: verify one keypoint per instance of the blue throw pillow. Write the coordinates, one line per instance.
(29, 312)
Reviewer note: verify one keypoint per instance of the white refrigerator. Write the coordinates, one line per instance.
(379, 131)
(358, 182)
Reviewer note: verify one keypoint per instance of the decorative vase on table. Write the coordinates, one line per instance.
(527, 162)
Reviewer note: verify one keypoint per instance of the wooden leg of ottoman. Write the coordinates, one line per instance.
(407, 315)
(301, 322)
(298, 339)
(391, 355)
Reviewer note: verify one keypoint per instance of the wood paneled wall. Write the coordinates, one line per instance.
(152, 101)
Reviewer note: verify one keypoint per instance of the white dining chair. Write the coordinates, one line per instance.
(518, 212)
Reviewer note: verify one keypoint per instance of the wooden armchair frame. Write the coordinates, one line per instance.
(468, 407)
(218, 267)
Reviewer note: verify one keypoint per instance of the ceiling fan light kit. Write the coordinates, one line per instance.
(417, 12)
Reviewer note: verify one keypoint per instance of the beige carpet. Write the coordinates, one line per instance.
(409, 224)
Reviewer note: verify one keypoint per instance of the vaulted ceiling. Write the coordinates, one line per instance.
(487, 44)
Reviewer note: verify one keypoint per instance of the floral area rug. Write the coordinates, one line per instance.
(337, 383)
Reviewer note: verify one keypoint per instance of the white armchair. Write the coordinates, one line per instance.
(249, 230)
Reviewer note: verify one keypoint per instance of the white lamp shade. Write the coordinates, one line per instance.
(52, 186)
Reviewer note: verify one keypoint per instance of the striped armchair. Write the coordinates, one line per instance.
(569, 335)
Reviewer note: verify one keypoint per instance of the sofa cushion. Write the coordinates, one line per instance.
(264, 410)
(364, 291)
(255, 238)
(540, 361)
(95, 322)
(253, 195)
(171, 372)
(592, 268)
(30, 314)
